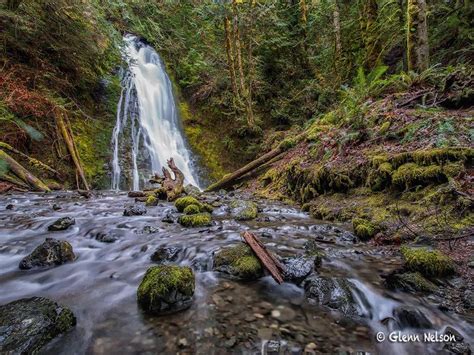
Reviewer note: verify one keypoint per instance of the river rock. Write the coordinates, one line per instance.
(28, 324)
(331, 292)
(298, 268)
(409, 317)
(166, 289)
(243, 210)
(62, 224)
(409, 282)
(52, 252)
(168, 218)
(165, 254)
(105, 237)
(134, 210)
(238, 261)
(192, 190)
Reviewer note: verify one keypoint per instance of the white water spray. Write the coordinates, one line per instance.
(147, 104)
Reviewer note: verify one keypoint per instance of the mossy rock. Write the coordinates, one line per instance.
(238, 261)
(430, 263)
(409, 282)
(166, 289)
(183, 202)
(52, 252)
(243, 210)
(151, 200)
(192, 209)
(28, 324)
(364, 229)
(195, 220)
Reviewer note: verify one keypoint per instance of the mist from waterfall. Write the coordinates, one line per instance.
(147, 126)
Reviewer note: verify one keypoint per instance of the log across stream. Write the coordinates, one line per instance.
(227, 315)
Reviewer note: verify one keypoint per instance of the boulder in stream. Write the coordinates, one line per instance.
(166, 289)
(410, 317)
(195, 220)
(192, 190)
(298, 268)
(409, 282)
(332, 292)
(134, 210)
(243, 210)
(28, 324)
(62, 224)
(165, 254)
(238, 261)
(52, 252)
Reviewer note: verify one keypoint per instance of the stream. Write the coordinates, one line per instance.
(227, 316)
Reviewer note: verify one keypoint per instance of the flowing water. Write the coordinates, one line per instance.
(147, 130)
(227, 316)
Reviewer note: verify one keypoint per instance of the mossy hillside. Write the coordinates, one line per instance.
(195, 220)
(160, 281)
(430, 263)
(238, 261)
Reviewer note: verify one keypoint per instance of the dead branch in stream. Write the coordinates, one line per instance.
(267, 258)
(171, 187)
(21, 173)
(65, 130)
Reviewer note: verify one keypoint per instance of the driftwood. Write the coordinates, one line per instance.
(172, 188)
(66, 133)
(22, 173)
(267, 258)
(7, 187)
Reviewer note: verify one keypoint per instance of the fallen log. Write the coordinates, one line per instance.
(269, 261)
(32, 161)
(22, 173)
(71, 147)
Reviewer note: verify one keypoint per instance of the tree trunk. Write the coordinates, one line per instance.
(371, 44)
(22, 173)
(238, 47)
(230, 56)
(250, 116)
(71, 147)
(337, 35)
(417, 36)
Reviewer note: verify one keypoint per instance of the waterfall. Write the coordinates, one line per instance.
(147, 128)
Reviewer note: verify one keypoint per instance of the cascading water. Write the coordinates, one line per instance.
(147, 126)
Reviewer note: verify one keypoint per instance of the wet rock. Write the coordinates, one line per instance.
(408, 317)
(151, 200)
(165, 254)
(134, 210)
(166, 289)
(409, 282)
(52, 252)
(56, 207)
(195, 220)
(192, 190)
(238, 261)
(28, 324)
(243, 210)
(331, 292)
(458, 346)
(9, 206)
(62, 224)
(105, 237)
(150, 230)
(183, 202)
(168, 218)
(298, 268)
(200, 264)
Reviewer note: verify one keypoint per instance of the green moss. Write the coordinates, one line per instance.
(243, 210)
(384, 127)
(191, 209)
(380, 177)
(453, 169)
(288, 143)
(195, 220)
(160, 281)
(183, 202)
(205, 207)
(364, 229)
(412, 281)
(238, 261)
(411, 174)
(151, 201)
(430, 263)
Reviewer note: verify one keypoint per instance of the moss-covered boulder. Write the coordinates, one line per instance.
(192, 209)
(430, 263)
(238, 261)
(195, 220)
(166, 289)
(192, 190)
(151, 200)
(52, 252)
(364, 229)
(243, 210)
(28, 324)
(134, 210)
(183, 202)
(409, 282)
